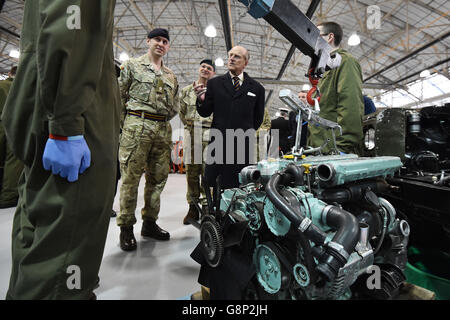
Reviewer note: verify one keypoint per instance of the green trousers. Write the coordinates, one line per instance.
(194, 171)
(195, 189)
(12, 169)
(144, 148)
(60, 228)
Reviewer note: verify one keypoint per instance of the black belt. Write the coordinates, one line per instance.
(148, 115)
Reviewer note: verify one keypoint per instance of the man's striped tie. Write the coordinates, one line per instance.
(236, 83)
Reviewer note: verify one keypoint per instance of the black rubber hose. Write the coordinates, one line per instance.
(347, 236)
(313, 233)
(341, 195)
(279, 202)
(354, 192)
(345, 223)
(347, 227)
(296, 173)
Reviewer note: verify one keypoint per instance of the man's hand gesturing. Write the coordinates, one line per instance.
(200, 90)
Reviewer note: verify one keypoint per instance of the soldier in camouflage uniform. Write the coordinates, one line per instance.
(192, 120)
(149, 92)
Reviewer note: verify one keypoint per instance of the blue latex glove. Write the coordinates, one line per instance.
(67, 158)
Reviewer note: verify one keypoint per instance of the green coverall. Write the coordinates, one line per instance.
(10, 166)
(341, 102)
(65, 85)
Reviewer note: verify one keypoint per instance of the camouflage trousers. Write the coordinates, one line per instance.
(194, 171)
(194, 187)
(144, 147)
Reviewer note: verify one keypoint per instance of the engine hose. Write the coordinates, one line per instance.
(296, 173)
(279, 202)
(340, 195)
(338, 250)
(313, 233)
(347, 226)
(353, 192)
(344, 241)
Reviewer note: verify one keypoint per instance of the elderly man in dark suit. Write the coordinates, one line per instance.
(236, 102)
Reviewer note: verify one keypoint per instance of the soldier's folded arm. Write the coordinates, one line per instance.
(68, 63)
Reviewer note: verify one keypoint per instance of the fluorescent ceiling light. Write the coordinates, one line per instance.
(210, 31)
(219, 62)
(14, 53)
(354, 40)
(306, 87)
(425, 74)
(124, 57)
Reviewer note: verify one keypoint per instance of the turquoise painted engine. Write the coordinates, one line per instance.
(303, 227)
(314, 228)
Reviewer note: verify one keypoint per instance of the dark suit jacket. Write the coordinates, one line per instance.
(284, 132)
(242, 109)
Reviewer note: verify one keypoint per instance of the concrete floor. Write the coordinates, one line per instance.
(157, 270)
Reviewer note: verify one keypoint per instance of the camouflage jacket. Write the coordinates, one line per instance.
(144, 89)
(188, 109)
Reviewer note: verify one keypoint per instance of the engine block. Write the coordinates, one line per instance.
(315, 228)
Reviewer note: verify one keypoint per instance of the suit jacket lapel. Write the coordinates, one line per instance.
(245, 86)
(228, 84)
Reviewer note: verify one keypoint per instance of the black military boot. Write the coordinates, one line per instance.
(192, 214)
(152, 230)
(127, 239)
